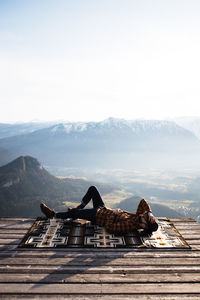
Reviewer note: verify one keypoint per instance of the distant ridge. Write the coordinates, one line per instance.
(159, 210)
(5, 156)
(22, 163)
(8, 130)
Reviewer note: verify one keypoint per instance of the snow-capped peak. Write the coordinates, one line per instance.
(136, 126)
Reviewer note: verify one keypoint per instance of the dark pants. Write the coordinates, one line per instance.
(87, 214)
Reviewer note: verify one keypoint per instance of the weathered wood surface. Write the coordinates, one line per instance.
(100, 277)
(92, 273)
(99, 288)
(91, 261)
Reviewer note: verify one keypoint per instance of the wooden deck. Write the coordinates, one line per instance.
(91, 273)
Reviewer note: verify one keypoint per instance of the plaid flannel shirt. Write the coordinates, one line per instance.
(119, 221)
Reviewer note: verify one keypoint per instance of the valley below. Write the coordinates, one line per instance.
(176, 189)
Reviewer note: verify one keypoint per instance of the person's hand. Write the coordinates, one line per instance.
(143, 221)
(80, 206)
(152, 219)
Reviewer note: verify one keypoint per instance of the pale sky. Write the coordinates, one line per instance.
(87, 60)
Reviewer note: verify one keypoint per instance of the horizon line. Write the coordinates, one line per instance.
(96, 121)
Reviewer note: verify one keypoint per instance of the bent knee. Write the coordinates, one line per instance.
(92, 188)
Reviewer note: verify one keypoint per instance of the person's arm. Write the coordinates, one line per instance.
(128, 212)
(152, 219)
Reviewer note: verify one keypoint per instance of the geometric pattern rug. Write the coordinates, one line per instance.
(56, 233)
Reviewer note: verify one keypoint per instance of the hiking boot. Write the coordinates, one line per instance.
(49, 213)
(68, 221)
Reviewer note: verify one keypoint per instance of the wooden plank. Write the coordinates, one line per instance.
(101, 296)
(102, 261)
(182, 220)
(189, 230)
(188, 225)
(191, 235)
(10, 241)
(7, 247)
(11, 236)
(19, 226)
(87, 261)
(96, 278)
(195, 247)
(183, 230)
(13, 230)
(101, 288)
(98, 255)
(192, 242)
(70, 269)
(104, 296)
(15, 219)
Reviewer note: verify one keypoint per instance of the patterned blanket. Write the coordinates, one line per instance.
(57, 233)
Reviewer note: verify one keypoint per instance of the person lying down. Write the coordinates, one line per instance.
(114, 220)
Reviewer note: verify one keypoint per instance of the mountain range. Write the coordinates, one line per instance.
(110, 143)
(7, 130)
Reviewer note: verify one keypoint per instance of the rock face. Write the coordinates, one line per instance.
(25, 169)
(24, 183)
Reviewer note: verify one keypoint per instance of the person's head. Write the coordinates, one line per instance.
(152, 226)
